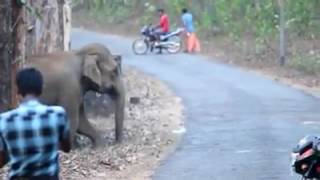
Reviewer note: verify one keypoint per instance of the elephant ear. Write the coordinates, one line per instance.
(91, 70)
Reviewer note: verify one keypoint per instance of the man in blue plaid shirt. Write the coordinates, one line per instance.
(32, 134)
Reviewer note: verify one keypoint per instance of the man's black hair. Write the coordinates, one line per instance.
(161, 10)
(184, 10)
(29, 81)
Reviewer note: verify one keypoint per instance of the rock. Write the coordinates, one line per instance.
(134, 100)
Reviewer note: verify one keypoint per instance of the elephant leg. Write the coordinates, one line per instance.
(87, 129)
(119, 110)
(72, 110)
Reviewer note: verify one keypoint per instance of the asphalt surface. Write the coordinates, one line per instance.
(240, 126)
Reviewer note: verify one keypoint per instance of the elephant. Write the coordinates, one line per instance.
(69, 75)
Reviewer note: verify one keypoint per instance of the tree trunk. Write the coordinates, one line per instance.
(67, 26)
(5, 54)
(48, 33)
(12, 55)
(31, 30)
(282, 49)
(23, 34)
(19, 34)
(61, 24)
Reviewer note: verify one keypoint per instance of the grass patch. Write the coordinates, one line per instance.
(306, 63)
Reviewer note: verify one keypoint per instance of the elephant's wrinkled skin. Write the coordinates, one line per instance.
(69, 75)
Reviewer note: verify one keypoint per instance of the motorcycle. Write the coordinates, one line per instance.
(171, 42)
(306, 158)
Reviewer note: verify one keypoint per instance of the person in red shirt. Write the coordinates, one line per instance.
(164, 21)
(163, 27)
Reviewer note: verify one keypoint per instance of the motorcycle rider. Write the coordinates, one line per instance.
(163, 27)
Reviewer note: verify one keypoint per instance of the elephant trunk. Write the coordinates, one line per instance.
(119, 110)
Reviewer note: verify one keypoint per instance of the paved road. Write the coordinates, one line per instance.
(239, 126)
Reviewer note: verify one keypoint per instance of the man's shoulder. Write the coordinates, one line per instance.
(8, 114)
(164, 16)
(188, 15)
(57, 109)
(38, 109)
(43, 108)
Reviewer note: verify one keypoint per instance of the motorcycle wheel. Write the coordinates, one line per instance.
(175, 45)
(140, 46)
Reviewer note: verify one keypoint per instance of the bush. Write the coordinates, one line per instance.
(309, 64)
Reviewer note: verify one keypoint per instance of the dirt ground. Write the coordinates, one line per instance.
(152, 130)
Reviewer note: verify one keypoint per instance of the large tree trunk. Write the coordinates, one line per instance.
(31, 38)
(19, 34)
(67, 26)
(282, 28)
(48, 29)
(23, 34)
(12, 36)
(5, 54)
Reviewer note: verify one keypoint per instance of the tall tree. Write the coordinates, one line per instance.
(19, 42)
(5, 53)
(12, 41)
(23, 33)
(282, 33)
(48, 30)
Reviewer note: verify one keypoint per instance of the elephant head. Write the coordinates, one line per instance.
(99, 66)
(101, 73)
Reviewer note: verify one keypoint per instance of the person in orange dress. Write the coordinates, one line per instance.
(192, 41)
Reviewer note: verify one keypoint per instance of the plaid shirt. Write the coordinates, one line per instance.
(30, 136)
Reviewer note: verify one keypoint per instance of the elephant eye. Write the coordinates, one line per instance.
(116, 71)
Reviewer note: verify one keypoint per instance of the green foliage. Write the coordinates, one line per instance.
(115, 11)
(232, 17)
(306, 63)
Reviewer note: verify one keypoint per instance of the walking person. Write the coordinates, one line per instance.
(192, 42)
(32, 134)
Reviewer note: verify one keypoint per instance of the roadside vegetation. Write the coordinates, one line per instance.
(248, 28)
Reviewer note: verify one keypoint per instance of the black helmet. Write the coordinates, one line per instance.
(160, 10)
